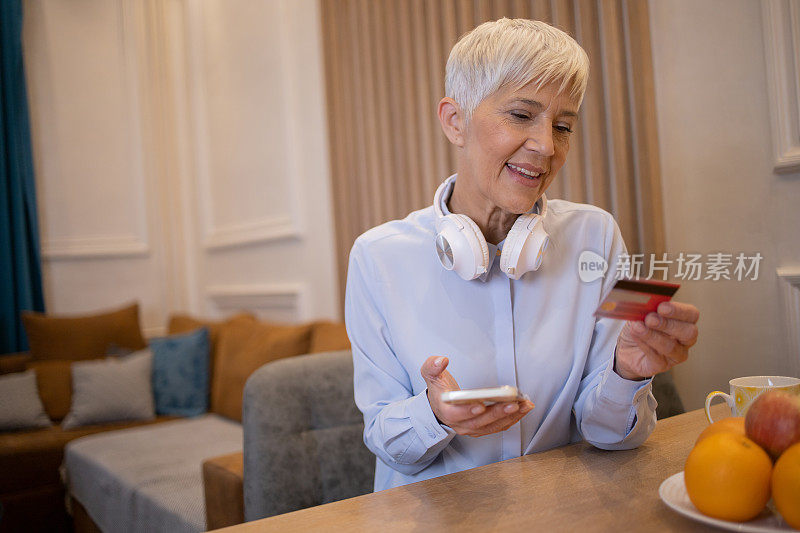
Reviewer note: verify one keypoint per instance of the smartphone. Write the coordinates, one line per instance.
(504, 393)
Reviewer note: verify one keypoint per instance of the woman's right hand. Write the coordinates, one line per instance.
(473, 419)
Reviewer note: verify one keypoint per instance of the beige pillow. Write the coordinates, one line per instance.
(243, 348)
(112, 390)
(82, 337)
(20, 406)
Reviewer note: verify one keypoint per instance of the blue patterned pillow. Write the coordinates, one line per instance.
(180, 373)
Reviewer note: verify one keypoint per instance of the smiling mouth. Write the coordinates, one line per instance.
(523, 172)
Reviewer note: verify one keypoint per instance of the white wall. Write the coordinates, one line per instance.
(181, 159)
(720, 191)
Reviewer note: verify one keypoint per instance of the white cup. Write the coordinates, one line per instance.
(745, 390)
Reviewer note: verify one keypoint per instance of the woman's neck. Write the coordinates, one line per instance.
(493, 222)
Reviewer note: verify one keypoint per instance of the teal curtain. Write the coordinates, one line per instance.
(20, 263)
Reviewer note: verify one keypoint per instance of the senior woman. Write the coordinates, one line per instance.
(467, 293)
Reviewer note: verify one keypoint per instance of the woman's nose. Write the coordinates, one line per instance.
(540, 139)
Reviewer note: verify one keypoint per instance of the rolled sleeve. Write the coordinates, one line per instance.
(414, 437)
(615, 388)
(623, 413)
(431, 432)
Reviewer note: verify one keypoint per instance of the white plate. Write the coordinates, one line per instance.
(673, 493)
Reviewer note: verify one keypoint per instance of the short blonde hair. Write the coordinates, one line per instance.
(513, 52)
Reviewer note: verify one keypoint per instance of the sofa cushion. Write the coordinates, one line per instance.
(186, 324)
(54, 380)
(149, 478)
(180, 373)
(30, 459)
(329, 337)
(224, 490)
(112, 389)
(243, 348)
(82, 337)
(20, 406)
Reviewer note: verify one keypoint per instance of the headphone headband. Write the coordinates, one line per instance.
(446, 186)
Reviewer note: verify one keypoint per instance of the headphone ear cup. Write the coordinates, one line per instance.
(515, 242)
(524, 247)
(477, 241)
(461, 246)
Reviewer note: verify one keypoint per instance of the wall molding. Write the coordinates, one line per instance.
(781, 26)
(274, 297)
(131, 52)
(137, 244)
(258, 231)
(790, 288)
(95, 247)
(262, 230)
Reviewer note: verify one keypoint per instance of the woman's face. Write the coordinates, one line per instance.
(515, 144)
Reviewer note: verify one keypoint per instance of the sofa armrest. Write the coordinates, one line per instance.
(14, 362)
(222, 484)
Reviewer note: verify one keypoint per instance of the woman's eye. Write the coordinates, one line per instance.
(562, 128)
(520, 116)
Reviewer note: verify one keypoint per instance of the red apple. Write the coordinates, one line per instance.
(773, 421)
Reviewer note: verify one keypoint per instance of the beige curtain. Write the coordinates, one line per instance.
(385, 62)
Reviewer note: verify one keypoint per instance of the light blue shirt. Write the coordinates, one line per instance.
(537, 333)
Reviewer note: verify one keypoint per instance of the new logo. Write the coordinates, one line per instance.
(591, 266)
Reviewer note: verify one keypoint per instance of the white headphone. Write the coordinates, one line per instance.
(461, 246)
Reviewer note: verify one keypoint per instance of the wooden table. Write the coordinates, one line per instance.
(573, 488)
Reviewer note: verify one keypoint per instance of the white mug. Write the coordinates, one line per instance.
(745, 390)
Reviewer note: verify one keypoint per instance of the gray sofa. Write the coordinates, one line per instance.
(303, 436)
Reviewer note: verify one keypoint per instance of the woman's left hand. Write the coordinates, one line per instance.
(660, 342)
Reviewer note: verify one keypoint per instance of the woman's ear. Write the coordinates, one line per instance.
(452, 120)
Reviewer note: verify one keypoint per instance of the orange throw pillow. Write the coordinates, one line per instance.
(82, 337)
(243, 348)
(329, 337)
(54, 380)
(185, 324)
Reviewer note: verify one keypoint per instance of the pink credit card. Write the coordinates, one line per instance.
(633, 299)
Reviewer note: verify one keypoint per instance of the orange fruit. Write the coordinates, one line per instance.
(728, 477)
(732, 424)
(786, 485)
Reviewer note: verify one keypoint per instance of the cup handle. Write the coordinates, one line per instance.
(711, 396)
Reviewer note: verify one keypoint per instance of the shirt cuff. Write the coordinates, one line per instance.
(617, 389)
(430, 431)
